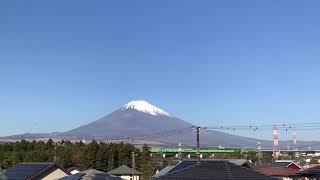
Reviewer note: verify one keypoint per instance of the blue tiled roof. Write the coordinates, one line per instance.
(25, 170)
(213, 170)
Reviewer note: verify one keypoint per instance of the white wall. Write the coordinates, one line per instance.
(58, 173)
(128, 177)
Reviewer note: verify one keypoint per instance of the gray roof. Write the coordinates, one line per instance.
(238, 162)
(124, 170)
(180, 165)
(164, 171)
(30, 170)
(213, 170)
(91, 174)
(311, 172)
(282, 164)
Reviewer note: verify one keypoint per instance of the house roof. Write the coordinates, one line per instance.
(216, 169)
(182, 165)
(283, 164)
(91, 174)
(164, 170)
(186, 163)
(29, 170)
(278, 171)
(238, 162)
(311, 172)
(241, 162)
(124, 170)
(72, 168)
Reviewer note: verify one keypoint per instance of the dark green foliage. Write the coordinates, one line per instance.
(101, 156)
(144, 163)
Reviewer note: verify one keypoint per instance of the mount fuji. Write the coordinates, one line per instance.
(140, 122)
(134, 119)
(138, 119)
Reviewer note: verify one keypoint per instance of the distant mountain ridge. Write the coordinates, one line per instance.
(137, 119)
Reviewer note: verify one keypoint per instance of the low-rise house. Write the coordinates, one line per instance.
(286, 163)
(312, 173)
(126, 173)
(36, 171)
(285, 170)
(91, 174)
(210, 169)
(279, 172)
(164, 171)
(239, 162)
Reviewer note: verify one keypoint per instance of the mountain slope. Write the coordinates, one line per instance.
(126, 123)
(139, 118)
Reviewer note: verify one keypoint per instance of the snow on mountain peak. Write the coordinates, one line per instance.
(144, 106)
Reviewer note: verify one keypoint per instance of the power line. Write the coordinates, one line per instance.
(311, 126)
(297, 126)
(157, 135)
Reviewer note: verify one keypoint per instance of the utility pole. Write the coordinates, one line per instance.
(56, 146)
(55, 154)
(197, 129)
(55, 157)
(198, 143)
(133, 155)
(259, 152)
(294, 138)
(180, 157)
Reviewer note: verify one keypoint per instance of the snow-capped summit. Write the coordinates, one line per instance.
(144, 106)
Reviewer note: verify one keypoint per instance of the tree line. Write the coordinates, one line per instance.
(97, 155)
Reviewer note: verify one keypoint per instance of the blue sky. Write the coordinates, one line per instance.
(67, 63)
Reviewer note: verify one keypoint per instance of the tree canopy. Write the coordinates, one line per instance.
(97, 155)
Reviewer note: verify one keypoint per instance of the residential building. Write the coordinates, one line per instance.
(240, 162)
(126, 173)
(91, 174)
(279, 172)
(285, 169)
(36, 171)
(211, 170)
(312, 173)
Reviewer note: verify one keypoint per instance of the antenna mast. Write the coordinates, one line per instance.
(276, 149)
